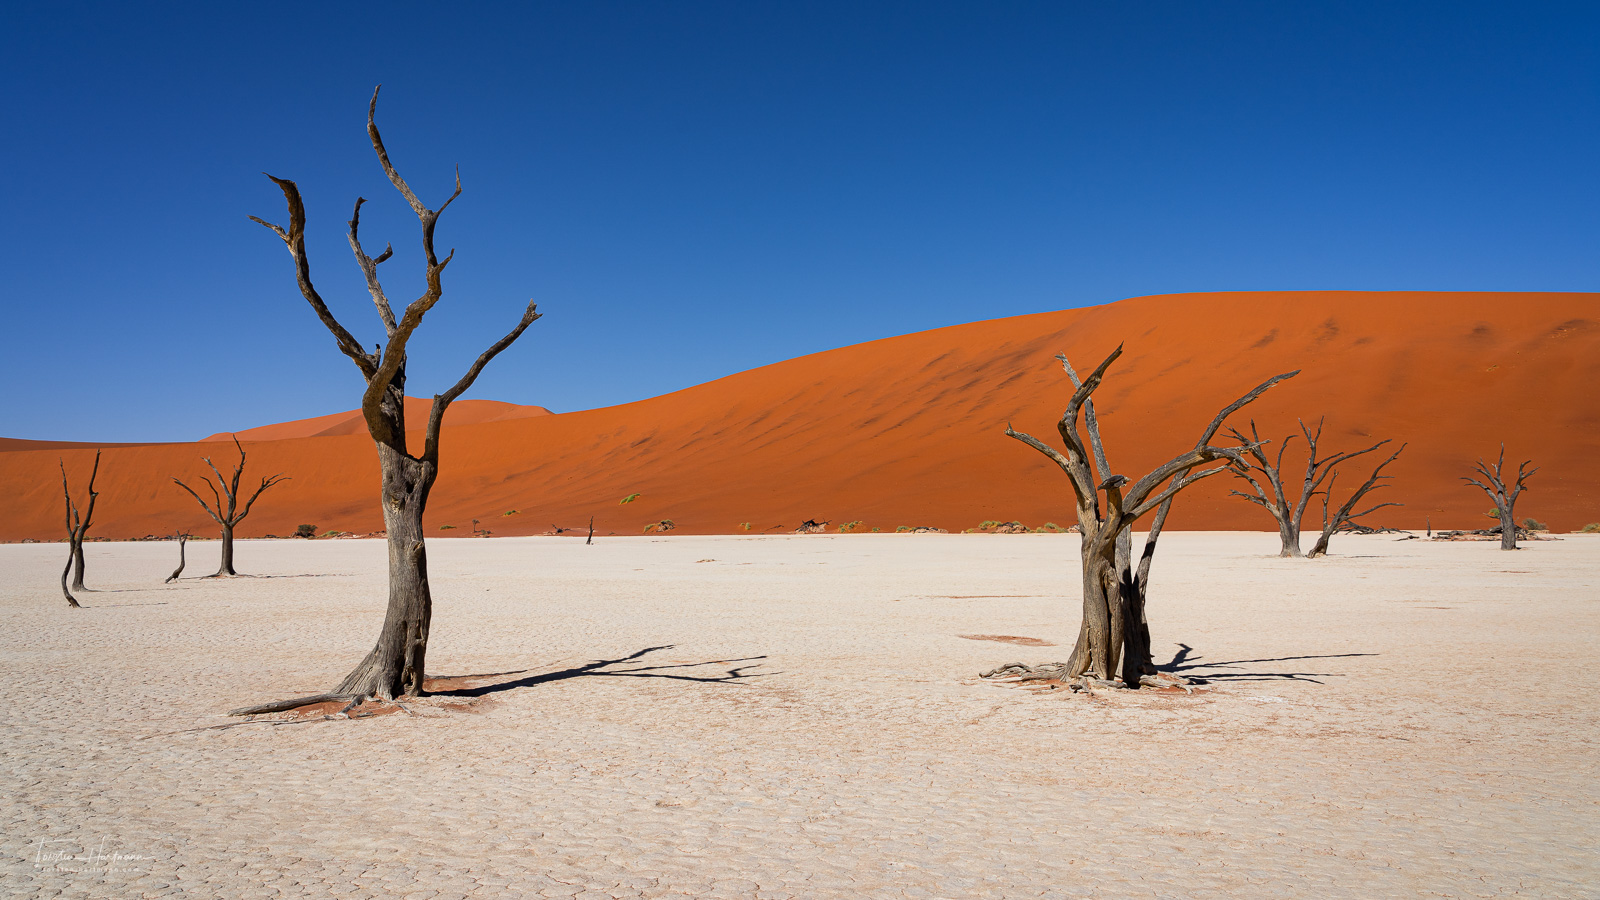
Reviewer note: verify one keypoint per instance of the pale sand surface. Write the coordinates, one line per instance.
(1406, 719)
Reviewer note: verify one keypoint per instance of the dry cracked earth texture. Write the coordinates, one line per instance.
(778, 717)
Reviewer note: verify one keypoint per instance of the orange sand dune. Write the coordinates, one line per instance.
(909, 430)
(461, 412)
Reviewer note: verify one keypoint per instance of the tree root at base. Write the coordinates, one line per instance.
(295, 703)
(1055, 675)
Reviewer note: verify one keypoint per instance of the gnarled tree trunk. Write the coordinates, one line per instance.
(77, 531)
(1114, 632)
(77, 565)
(183, 542)
(397, 664)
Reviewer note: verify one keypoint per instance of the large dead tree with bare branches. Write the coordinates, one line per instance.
(396, 665)
(230, 515)
(1505, 498)
(77, 530)
(1265, 477)
(1114, 628)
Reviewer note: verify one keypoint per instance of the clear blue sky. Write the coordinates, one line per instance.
(693, 189)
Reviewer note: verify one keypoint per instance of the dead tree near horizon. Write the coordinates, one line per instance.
(1266, 478)
(1114, 627)
(77, 530)
(230, 517)
(1505, 501)
(1344, 516)
(395, 667)
(183, 540)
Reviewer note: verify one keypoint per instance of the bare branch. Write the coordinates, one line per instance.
(369, 268)
(1235, 406)
(1172, 489)
(441, 401)
(295, 238)
(1091, 423)
(1054, 454)
(265, 483)
(198, 500)
(383, 157)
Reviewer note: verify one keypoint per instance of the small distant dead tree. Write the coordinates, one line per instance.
(396, 665)
(1265, 477)
(183, 540)
(1345, 516)
(228, 516)
(1505, 499)
(1114, 627)
(77, 530)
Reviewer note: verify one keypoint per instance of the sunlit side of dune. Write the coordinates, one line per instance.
(910, 430)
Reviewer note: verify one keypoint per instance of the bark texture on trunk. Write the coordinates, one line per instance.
(1114, 630)
(77, 565)
(225, 567)
(1493, 483)
(397, 664)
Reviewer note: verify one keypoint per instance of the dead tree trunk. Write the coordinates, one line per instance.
(1344, 516)
(1505, 499)
(397, 663)
(1265, 478)
(183, 540)
(77, 530)
(230, 515)
(1113, 633)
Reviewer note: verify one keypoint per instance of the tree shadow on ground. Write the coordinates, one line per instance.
(1196, 670)
(737, 674)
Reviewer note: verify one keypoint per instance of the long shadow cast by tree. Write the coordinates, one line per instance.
(1181, 662)
(601, 668)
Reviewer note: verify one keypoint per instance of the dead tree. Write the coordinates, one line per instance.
(1265, 477)
(1505, 499)
(77, 530)
(1114, 627)
(395, 666)
(183, 539)
(1346, 516)
(228, 516)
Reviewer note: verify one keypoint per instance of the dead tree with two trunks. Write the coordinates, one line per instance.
(1265, 477)
(1505, 498)
(228, 516)
(77, 530)
(1114, 631)
(395, 666)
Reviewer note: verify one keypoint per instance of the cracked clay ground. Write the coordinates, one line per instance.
(801, 717)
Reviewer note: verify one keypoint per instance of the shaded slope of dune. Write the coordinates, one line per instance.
(909, 430)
